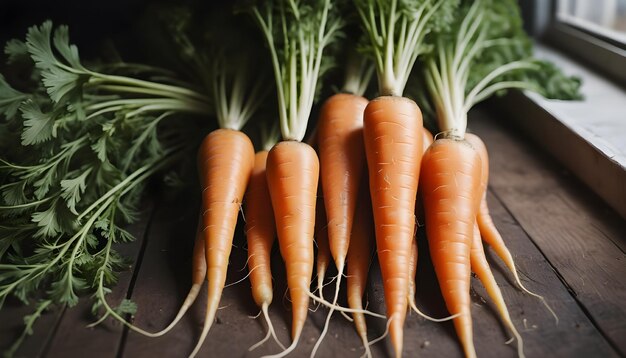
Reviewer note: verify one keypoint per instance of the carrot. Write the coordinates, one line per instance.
(323, 249)
(393, 137)
(359, 260)
(393, 147)
(488, 230)
(419, 217)
(451, 182)
(342, 160)
(260, 233)
(419, 205)
(480, 266)
(296, 35)
(419, 214)
(225, 162)
(292, 176)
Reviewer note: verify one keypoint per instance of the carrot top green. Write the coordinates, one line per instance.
(397, 30)
(297, 32)
(483, 52)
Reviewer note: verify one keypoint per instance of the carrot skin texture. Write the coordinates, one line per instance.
(323, 248)
(419, 205)
(342, 160)
(481, 268)
(488, 230)
(198, 260)
(226, 159)
(419, 216)
(292, 177)
(451, 181)
(412, 270)
(392, 132)
(359, 258)
(260, 231)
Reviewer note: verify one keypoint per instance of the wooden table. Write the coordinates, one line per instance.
(568, 245)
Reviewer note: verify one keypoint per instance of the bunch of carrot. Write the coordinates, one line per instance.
(371, 158)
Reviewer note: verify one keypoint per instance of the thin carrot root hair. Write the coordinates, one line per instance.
(345, 315)
(480, 266)
(425, 316)
(344, 309)
(367, 344)
(286, 351)
(271, 332)
(340, 267)
(241, 279)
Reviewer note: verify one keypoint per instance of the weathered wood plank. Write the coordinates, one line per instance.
(163, 279)
(163, 282)
(12, 326)
(103, 341)
(579, 235)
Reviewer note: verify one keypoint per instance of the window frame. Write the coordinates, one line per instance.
(602, 54)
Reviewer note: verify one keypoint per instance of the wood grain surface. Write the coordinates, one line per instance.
(568, 246)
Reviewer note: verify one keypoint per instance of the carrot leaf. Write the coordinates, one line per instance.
(78, 143)
(397, 31)
(297, 32)
(486, 51)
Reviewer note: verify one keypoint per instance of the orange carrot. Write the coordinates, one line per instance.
(480, 267)
(342, 159)
(292, 177)
(260, 233)
(225, 162)
(488, 230)
(419, 205)
(359, 259)
(419, 216)
(323, 250)
(451, 181)
(393, 146)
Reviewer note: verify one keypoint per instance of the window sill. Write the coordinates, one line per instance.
(588, 137)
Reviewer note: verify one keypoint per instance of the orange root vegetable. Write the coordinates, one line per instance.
(393, 145)
(419, 216)
(419, 205)
(359, 259)
(342, 159)
(292, 177)
(260, 233)
(488, 231)
(323, 250)
(225, 162)
(450, 183)
(480, 267)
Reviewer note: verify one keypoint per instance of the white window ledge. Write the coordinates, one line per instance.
(589, 136)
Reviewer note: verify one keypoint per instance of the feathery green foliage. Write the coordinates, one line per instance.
(82, 145)
(486, 51)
